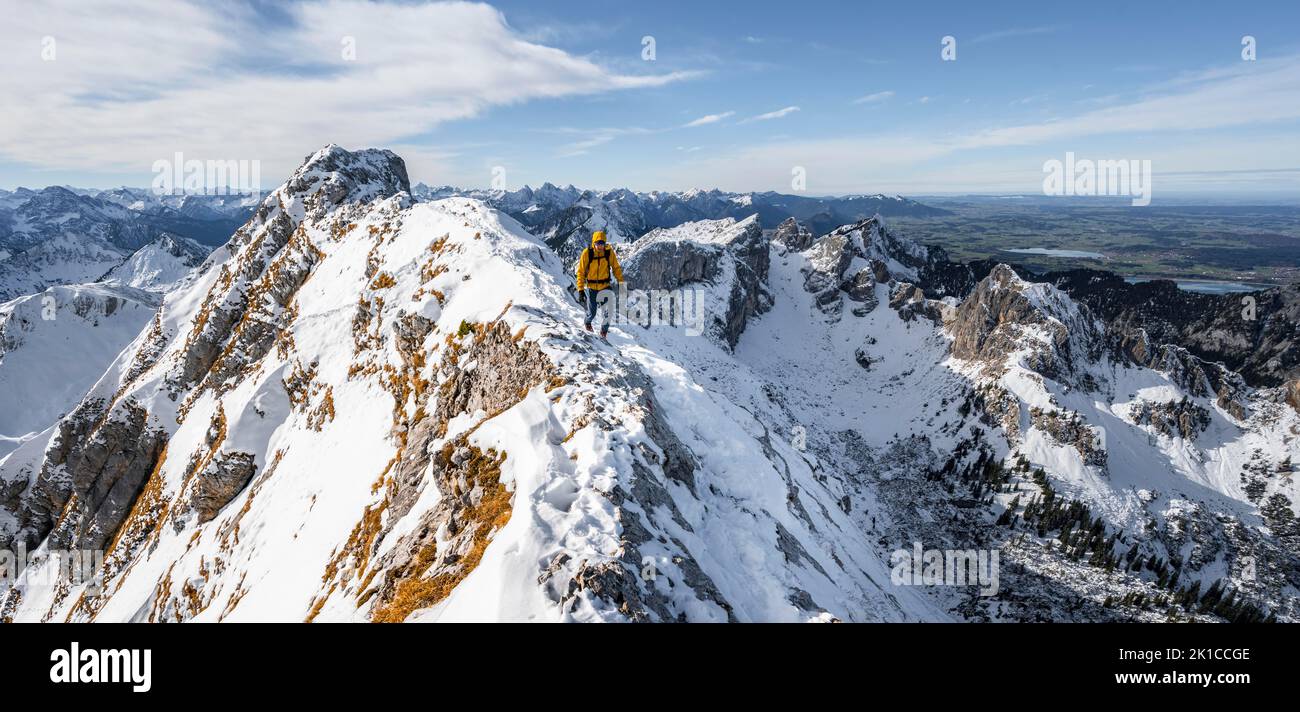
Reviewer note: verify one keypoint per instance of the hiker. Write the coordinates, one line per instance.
(594, 270)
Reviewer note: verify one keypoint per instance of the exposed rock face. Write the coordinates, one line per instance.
(909, 301)
(998, 407)
(265, 315)
(1067, 428)
(224, 478)
(425, 566)
(92, 473)
(106, 448)
(792, 235)
(1006, 315)
(1182, 418)
(729, 259)
(492, 371)
(828, 259)
(851, 260)
(1253, 334)
(332, 176)
(1193, 375)
(505, 372)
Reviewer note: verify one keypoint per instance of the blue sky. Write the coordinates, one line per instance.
(738, 95)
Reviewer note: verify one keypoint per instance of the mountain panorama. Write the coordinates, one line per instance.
(355, 400)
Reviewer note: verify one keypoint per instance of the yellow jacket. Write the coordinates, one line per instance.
(594, 268)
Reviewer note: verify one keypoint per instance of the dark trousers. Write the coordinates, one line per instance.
(600, 297)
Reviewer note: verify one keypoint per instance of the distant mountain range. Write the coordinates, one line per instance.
(565, 217)
(59, 235)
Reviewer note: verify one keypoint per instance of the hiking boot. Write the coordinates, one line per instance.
(587, 327)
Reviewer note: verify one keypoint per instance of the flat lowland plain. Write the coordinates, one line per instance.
(1250, 244)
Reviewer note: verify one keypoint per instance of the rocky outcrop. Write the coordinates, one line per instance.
(93, 470)
(485, 369)
(827, 261)
(726, 260)
(1253, 334)
(850, 261)
(225, 477)
(997, 407)
(1193, 375)
(910, 302)
(1182, 418)
(1068, 429)
(1006, 316)
(450, 538)
(791, 235)
(333, 176)
(503, 371)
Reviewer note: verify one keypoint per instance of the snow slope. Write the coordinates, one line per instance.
(55, 345)
(159, 266)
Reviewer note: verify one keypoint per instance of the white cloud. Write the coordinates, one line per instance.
(874, 98)
(597, 137)
(1266, 93)
(772, 114)
(134, 81)
(1187, 116)
(709, 119)
(1014, 32)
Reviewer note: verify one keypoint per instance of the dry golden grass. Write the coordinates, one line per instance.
(323, 412)
(483, 470)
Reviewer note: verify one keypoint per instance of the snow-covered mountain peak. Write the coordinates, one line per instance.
(710, 232)
(159, 266)
(336, 175)
(1006, 317)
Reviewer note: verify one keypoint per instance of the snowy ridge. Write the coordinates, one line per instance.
(160, 266)
(600, 482)
(709, 232)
